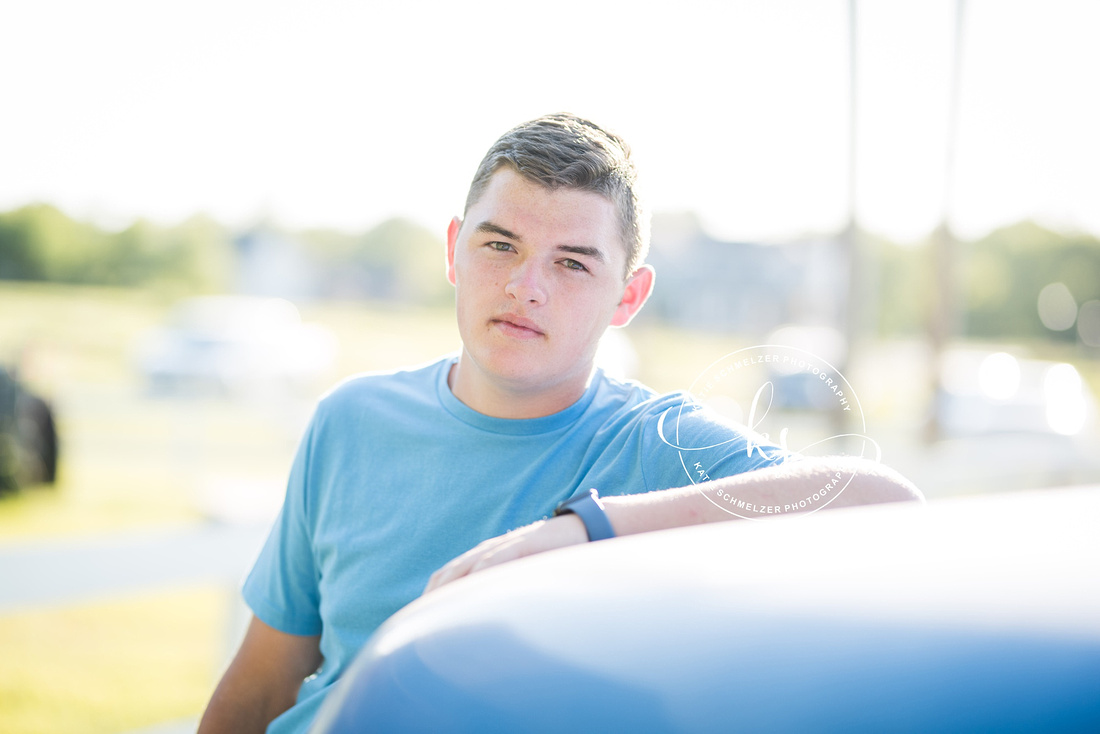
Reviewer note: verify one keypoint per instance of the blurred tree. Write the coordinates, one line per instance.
(40, 242)
(903, 282)
(195, 256)
(412, 255)
(398, 260)
(1001, 276)
(48, 245)
(19, 259)
(200, 253)
(129, 259)
(1005, 271)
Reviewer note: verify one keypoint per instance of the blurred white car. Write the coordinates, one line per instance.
(988, 392)
(230, 345)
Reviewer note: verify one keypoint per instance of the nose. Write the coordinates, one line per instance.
(525, 283)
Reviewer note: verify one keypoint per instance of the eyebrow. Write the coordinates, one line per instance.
(492, 228)
(593, 252)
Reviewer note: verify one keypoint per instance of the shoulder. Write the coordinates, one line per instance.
(627, 405)
(616, 391)
(416, 378)
(383, 391)
(674, 413)
(615, 399)
(640, 401)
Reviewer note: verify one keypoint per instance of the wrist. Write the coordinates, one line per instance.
(569, 527)
(589, 509)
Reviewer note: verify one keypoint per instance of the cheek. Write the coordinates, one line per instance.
(590, 316)
(481, 277)
(470, 282)
(598, 304)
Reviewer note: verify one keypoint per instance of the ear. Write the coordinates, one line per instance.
(638, 287)
(452, 239)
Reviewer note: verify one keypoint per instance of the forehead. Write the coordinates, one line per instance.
(556, 215)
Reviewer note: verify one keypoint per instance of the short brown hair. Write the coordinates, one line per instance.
(565, 150)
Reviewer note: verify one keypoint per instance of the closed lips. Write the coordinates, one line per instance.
(519, 322)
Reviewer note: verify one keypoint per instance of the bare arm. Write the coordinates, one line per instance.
(262, 681)
(781, 488)
(785, 485)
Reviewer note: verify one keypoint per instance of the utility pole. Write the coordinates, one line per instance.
(857, 302)
(942, 317)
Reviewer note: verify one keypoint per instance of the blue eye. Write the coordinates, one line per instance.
(501, 246)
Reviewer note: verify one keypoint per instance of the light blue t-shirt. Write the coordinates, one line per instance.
(395, 476)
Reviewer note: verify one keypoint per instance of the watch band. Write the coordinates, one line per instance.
(589, 509)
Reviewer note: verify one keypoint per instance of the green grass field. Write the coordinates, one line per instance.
(111, 666)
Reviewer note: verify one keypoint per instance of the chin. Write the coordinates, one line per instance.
(518, 370)
(521, 372)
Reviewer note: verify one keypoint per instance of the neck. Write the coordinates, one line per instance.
(502, 400)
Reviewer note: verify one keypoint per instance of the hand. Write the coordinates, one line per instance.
(541, 536)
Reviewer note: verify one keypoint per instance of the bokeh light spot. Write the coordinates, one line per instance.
(999, 376)
(1057, 307)
(1065, 399)
(1088, 323)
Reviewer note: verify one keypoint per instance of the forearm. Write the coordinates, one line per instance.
(855, 482)
(262, 681)
(781, 489)
(238, 705)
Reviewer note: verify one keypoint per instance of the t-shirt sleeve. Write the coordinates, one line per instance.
(693, 445)
(282, 588)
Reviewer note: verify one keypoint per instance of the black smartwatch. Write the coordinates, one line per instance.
(588, 508)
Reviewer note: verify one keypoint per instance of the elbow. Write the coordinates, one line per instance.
(866, 482)
(874, 483)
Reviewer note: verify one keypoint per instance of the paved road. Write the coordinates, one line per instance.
(60, 572)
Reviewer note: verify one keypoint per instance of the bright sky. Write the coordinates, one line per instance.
(340, 114)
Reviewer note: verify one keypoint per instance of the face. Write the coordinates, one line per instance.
(539, 277)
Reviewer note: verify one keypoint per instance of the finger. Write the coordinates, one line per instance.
(456, 568)
(495, 556)
(484, 555)
(434, 582)
(446, 574)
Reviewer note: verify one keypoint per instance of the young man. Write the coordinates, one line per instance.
(399, 473)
